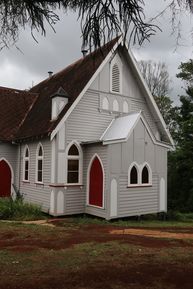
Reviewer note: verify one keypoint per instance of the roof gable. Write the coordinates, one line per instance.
(72, 80)
(127, 54)
(34, 109)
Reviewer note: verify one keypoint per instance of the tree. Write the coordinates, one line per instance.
(157, 78)
(186, 73)
(100, 19)
(181, 160)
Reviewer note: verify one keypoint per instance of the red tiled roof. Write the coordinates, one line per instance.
(72, 79)
(14, 106)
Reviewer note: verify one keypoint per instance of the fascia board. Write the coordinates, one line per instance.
(114, 141)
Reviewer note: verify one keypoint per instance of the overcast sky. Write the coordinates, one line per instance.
(57, 50)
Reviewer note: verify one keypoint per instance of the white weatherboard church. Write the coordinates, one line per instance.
(88, 139)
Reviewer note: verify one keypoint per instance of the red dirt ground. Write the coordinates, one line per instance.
(94, 233)
(115, 275)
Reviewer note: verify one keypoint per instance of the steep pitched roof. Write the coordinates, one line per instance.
(14, 106)
(72, 79)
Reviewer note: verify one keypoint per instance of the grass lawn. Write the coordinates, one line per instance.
(83, 253)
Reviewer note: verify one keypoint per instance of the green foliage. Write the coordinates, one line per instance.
(179, 217)
(180, 187)
(17, 210)
(186, 71)
(99, 20)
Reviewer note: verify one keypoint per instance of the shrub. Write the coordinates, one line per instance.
(178, 216)
(18, 210)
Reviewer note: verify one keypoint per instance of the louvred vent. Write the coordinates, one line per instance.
(115, 78)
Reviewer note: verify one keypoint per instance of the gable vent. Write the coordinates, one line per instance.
(115, 78)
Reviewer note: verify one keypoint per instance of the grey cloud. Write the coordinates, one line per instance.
(59, 49)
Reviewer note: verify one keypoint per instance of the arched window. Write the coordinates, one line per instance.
(115, 78)
(125, 106)
(105, 103)
(146, 175)
(74, 165)
(39, 164)
(26, 164)
(139, 175)
(133, 175)
(115, 105)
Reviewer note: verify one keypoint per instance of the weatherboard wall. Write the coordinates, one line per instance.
(32, 191)
(88, 121)
(139, 148)
(131, 90)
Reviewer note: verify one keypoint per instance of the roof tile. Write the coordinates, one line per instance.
(14, 106)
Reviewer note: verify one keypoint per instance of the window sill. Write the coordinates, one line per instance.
(73, 185)
(115, 92)
(65, 185)
(139, 186)
(25, 181)
(39, 183)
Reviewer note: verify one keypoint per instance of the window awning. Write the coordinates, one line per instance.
(120, 128)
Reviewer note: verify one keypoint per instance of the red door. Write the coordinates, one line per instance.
(5, 179)
(96, 184)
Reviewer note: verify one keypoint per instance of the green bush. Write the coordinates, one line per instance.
(180, 217)
(18, 210)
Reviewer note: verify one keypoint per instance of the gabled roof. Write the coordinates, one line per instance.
(72, 79)
(121, 128)
(14, 106)
(165, 134)
(30, 116)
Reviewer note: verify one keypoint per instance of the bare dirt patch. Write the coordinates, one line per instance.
(152, 233)
(63, 237)
(92, 256)
(39, 222)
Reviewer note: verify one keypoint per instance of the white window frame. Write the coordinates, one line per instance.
(80, 163)
(26, 159)
(139, 175)
(134, 164)
(37, 159)
(145, 164)
(116, 61)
